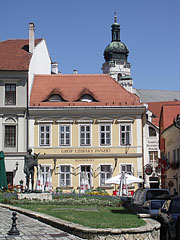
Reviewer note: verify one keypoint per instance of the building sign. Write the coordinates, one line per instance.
(152, 145)
(85, 150)
(148, 169)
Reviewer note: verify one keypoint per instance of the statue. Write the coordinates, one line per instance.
(30, 161)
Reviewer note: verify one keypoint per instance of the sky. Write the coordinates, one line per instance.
(78, 31)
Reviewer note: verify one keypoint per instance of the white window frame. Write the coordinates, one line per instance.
(130, 134)
(126, 164)
(15, 94)
(106, 173)
(105, 125)
(59, 135)
(14, 126)
(154, 159)
(65, 173)
(50, 133)
(85, 145)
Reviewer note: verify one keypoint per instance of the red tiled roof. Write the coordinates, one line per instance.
(14, 54)
(102, 87)
(155, 108)
(168, 114)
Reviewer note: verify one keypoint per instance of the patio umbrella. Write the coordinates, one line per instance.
(84, 182)
(48, 184)
(129, 179)
(123, 180)
(39, 183)
(3, 178)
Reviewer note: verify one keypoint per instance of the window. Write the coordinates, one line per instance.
(45, 169)
(125, 134)
(127, 168)
(105, 135)
(10, 94)
(168, 157)
(178, 155)
(44, 133)
(153, 157)
(174, 155)
(85, 135)
(119, 76)
(152, 132)
(87, 169)
(10, 136)
(55, 98)
(87, 98)
(65, 179)
(64, 135)
(105, 173)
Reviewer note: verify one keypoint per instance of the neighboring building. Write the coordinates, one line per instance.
(85, 124)
(118, 67)
(150, 95)
(151, 153)
(170, 146)
(20, 59)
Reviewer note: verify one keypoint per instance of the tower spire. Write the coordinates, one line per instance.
(115, 18)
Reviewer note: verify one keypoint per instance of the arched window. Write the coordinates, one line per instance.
(152, 132)
(86, 98)
(119, 76)
(55, 98)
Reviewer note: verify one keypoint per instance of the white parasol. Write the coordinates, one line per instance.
(39, 183)
(48, 183)
(84, 182)
(123, 180)
(129, 179)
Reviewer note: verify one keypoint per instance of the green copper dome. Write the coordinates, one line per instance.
(116, 50)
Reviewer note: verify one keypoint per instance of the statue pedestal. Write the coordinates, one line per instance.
(35, 196)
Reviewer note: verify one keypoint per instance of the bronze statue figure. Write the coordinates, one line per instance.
(30, 161)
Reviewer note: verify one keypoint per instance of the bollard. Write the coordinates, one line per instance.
(13, 230)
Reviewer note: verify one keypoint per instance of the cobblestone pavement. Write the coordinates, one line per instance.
(29, 228)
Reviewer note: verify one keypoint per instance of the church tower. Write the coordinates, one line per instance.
(115, 55)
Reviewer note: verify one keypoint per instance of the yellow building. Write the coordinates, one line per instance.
(85, 123)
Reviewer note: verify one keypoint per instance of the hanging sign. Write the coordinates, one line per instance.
(148, 169)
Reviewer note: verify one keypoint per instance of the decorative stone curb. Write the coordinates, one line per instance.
(151, 231)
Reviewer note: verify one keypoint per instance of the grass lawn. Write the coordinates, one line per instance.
(91, 211)
(100, 217)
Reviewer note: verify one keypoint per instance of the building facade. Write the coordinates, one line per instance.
(170, 146)
(18, 64)
(79, 127)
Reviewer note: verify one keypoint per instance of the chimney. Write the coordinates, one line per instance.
(54, 66)
(75, 71)
(31, 37)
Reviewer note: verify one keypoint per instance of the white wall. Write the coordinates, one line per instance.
(40, 62)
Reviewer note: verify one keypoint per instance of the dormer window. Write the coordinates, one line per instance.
(55, 98)
(87, 98)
